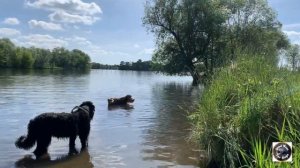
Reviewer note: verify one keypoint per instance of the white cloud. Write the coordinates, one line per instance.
(69, 11)
(41, 41)
(7, 32)
(294, 36)
(76, 27)
(11, 21)
(97, 50)
(81, 41)
(136, 46)
(61, 16)
(70, 6)
(292, 33)
(291, 26)
(44, 25)
(147, 51)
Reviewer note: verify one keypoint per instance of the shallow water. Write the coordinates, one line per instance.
(151, 134)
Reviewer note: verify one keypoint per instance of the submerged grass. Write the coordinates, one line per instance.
(246, 107)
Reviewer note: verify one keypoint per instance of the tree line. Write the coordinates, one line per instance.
(211, 33)
(12, 56)
(96, 65)
(134, 66)
(137, 66)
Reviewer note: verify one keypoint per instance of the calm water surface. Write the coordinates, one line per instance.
(152, 134)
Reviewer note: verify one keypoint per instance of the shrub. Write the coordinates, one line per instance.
(242, 110)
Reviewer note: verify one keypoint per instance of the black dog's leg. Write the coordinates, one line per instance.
(72, 149)
(83, 140)
(84, 136)
(42, 146)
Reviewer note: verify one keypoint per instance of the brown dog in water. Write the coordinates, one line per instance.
(120, 101)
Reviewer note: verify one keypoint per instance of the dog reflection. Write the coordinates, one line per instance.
(116, 107)
(83, 159)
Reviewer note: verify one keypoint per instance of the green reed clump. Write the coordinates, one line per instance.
(246, 107)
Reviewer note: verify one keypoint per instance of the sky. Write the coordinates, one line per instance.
(110, 31)
(288, 14)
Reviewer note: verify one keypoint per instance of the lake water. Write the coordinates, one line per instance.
(152, 134)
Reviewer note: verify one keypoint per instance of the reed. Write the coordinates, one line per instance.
(246, 107)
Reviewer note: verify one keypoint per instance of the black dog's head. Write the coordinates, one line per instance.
(129, 99)
(91, 108)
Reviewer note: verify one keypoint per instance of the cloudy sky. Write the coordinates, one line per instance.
(288, 13)
(109, 31)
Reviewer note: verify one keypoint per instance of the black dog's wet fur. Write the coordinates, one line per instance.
(60, 125)
(120, 101)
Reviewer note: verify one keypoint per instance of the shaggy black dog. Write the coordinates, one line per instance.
(120, 101)
(60, 125)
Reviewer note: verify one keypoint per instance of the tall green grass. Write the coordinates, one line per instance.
(246, 107)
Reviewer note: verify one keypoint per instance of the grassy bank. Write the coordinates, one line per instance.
(246, 107)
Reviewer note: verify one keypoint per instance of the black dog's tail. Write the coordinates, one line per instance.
(26, 142)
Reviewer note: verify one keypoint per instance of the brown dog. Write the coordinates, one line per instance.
(120, 101)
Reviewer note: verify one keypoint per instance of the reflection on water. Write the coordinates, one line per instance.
(76, 161)
(117, 107)
(151, 133)
(43, 72)
(166, 138)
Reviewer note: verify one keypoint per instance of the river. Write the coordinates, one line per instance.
(154, 133)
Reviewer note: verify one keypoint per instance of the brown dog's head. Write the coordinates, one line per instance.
(129, 99)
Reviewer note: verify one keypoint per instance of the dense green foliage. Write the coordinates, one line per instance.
(133, 66)
(246, 107)
(137, 66)
(293, 56)
(95, 65)
(12, 56)
(190, 33)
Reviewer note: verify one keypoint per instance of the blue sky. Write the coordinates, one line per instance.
(109, 31)
(288, 14)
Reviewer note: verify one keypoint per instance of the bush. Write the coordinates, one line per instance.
(246, 107)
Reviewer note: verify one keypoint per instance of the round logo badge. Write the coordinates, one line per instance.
(282, 151)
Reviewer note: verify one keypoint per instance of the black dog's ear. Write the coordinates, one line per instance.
(86, 103)
(91, 107)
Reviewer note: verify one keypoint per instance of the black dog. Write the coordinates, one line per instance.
(120, 101)
(60, 125)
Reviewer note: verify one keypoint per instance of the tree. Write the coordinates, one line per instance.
(186, 31)
(6, 52)
(42, 57)
(60, 57)
(27, 59)
(20, 57)
(79, 59)
(253, 26)
(16, 59)
(293, 55)
(190, 33)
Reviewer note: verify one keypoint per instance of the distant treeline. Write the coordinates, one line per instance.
(134, 66)
(95, 65)
(12, 56)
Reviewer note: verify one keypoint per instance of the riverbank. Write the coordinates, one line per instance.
(247, 107)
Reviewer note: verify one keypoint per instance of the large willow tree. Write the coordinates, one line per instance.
(185, 31)
(207, 33)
